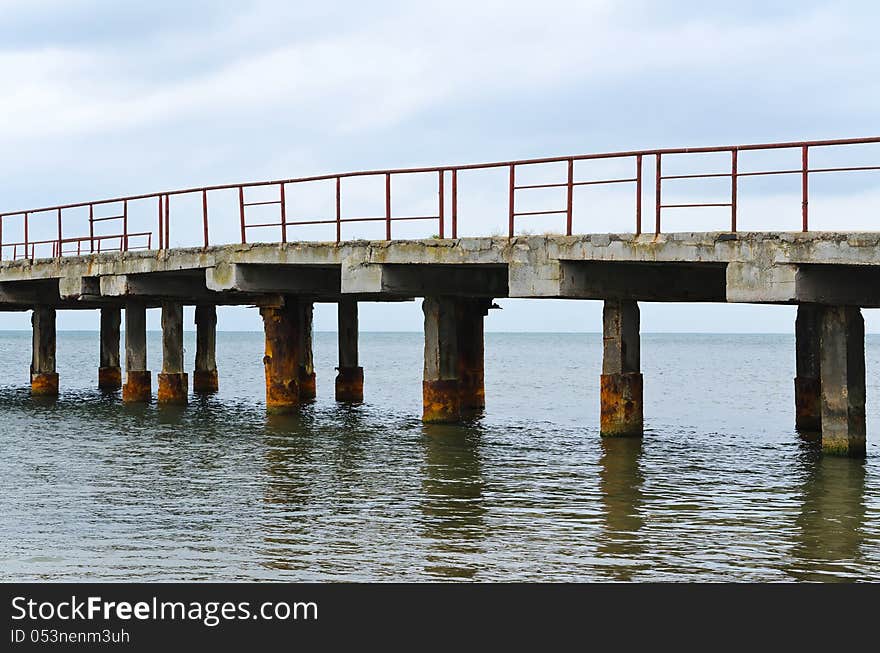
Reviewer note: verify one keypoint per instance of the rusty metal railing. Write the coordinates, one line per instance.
(92, 243)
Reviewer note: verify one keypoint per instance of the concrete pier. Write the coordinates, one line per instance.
(205, 378)
(441, 395)
(842, 379)
(307, 386)
(173, 380)
(281, 324)
(350, 375)
(807, 388)
(452, 388)
(109, 371)
(137, 388)
(621, 382)
(44, 379)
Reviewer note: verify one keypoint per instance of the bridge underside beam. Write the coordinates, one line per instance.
(423, 280)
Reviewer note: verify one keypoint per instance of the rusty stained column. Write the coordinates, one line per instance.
(205, 378)
(441, 395)
(137, 377)
(350, 377)
(173, 381)
(44, 379)
(307, 388)
(807, 389)
(109, 372)
(281, 324)
(621, 383)
(842, 380)
(470, 336)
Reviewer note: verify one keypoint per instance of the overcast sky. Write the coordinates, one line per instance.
(109, 98)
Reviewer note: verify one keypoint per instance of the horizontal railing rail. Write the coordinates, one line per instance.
(117, 209)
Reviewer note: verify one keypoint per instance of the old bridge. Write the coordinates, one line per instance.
(97, 259)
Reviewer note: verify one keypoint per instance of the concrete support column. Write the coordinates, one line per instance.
(205, 373)
(808, 407)
(109, 372)
(350, 377)
(173, 381)
(621, 383)
(44, 380)
(842, 380)
(441, 395)
(137, 376)
(282, 361)
(307, 388)
(469, 332)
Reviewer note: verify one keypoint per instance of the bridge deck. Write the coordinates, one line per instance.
(773, 267)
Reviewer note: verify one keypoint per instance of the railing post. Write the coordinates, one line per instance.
(569, 197)
(91, 228)
(659, 197)
(167, 222)
(638, 194)
(338, 209)
(59, 232)
(510, 201)
(205, 215)
(733, 179)
(125, 225)
(440, 207)
(25, 234)
(805, 185)
(454, 203)
(241, 212)
(387, 206)
(161, 223)
(283, 214)
(1, 237)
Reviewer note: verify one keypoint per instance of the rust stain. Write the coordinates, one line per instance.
(44, 384)
(137, 388)
(173, 388)
(281, 361)
(621, 405)
(441, 401)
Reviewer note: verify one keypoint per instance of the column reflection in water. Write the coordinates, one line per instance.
(830, 526)
(288, 491)
(620, 483)
(452, 502)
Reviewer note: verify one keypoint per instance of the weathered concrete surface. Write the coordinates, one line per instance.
(621, 382)
(109, 371)
(470, 314)
(44, 379)
(441, 397)
(842, 371)
(776, 267)
(137, 388)
(807, 388)
(173, 381)
(350, 375)
(281, 362)
(205, 377)
(307, 379)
